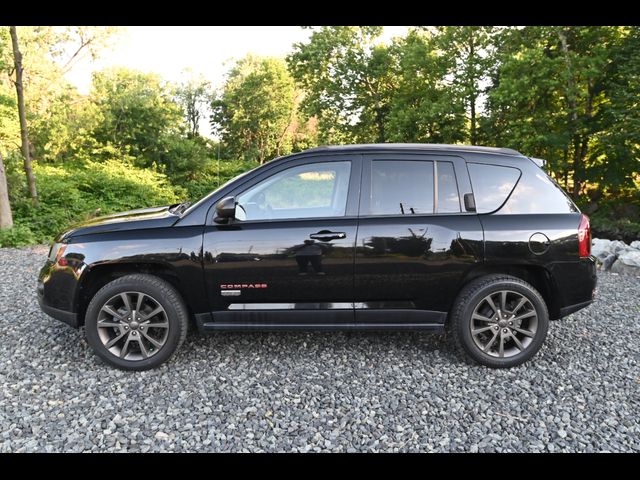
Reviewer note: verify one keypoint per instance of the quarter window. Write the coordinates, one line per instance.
(307, 191)
(492, 185)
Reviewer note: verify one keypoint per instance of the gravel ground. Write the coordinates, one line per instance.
(318, 391)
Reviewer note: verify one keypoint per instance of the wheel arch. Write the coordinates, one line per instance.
(536, 275)
(98, 276)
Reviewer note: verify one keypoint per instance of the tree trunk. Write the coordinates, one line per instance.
(380, 124)
(474, 139)
(6, 218)
(573, 114)
(578, 165)
(17, 57)
(472, 97)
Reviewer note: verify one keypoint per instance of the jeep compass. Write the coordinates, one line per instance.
(477, 242)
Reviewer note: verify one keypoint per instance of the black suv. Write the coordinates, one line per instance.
(474, 240)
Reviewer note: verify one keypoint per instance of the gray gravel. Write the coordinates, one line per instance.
(318, 391)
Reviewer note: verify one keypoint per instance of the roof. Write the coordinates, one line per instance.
(413, 146)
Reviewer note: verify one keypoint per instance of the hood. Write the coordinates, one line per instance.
(155, 217)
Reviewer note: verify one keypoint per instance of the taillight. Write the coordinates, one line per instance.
(584, 236)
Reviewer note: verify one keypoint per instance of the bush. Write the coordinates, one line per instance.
(17, 236)
(79, 191)
(614, 214)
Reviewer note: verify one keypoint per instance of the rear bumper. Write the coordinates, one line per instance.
(564, 311)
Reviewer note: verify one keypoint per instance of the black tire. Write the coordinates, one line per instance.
(152, 288)
(460, 323)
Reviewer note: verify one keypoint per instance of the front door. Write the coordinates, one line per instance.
(288, 256)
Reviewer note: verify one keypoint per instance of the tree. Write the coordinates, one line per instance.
(6, 217)
(551, 96)
(9, 133)
(194, 96)
(26, 153)
(348, 80)
(423, 108)
(469, 50)
(135, 112)
(255, 109)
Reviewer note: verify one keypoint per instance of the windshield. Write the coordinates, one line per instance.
(195, 205)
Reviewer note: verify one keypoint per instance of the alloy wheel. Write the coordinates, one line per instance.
(133, 326)
(504, 324)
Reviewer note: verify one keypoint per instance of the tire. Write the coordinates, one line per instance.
(146, 338)
(529, 323)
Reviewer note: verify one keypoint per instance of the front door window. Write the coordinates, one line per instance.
(318, 190)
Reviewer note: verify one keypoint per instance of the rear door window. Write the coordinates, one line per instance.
(448, 196)
(400, 187)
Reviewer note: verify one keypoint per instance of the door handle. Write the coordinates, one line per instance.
(326, 235)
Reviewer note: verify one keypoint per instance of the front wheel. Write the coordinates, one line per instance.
(136, 322)
(499, 321)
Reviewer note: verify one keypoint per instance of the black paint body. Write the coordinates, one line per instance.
(381, 271)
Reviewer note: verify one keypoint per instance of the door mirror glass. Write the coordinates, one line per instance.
(225, 210)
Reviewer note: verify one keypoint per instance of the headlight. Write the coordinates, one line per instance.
(56, 252)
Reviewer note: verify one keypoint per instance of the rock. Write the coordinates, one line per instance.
(601, 248)
(630, 258)
(635, 244)
(162, 436)
(607, 262)
(627, 264)
(618, 246)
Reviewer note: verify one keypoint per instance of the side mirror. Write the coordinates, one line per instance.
(469, 202)
(225, 210)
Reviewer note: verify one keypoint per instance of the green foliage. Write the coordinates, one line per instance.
(348, 80)
(216, 173)
(255, 110)
(79, 191)
(17, 236)
(568, 94)
(194, 96)
(135, 112)
(423, 108)
(614, 212)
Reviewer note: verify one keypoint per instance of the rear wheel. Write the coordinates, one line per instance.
(136, 322)
(499, 321)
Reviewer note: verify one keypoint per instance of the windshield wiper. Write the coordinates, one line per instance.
(180, 207)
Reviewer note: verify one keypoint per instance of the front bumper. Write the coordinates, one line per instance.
(56, 291)
(69, 318)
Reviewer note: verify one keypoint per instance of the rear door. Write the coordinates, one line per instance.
(415, 239)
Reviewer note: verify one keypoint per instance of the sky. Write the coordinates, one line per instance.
(209, 51)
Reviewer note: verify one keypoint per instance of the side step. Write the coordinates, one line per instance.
(217, 326)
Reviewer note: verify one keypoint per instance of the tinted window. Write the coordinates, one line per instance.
(307, 191)
(537, 193)
(401, 187)
(448, 198)
(491, 185)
